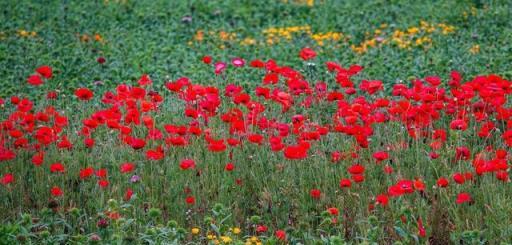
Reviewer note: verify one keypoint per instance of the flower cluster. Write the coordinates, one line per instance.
(348, 142)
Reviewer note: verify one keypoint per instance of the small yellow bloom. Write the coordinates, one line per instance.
(226, 239)
(475, 49)
(195, 231)
(236, 230)
(23, 33)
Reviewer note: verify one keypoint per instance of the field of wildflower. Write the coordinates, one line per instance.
(255, 122)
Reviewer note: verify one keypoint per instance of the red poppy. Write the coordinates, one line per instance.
(463, 198)
(307, 53)
(187, 164)
(35, 80)
(229, 167)
(380, 156)
(207, 59)
(261, 228)
(382, 199)
(144, 80)
(280, 235)
(128, 194)
(190, 200)
(356, 169)
(296, 152)
(102, 183)
(86, 172)
(421, 229)
(45, 71)
(57, 168)
(442, 182)
(7, 179)
(315, 193)
(56, 191)
(345, 183)
(84, 94)
(333, 211)
(155, 154)
(127, 167)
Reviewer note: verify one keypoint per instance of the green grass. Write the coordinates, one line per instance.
(150, 37)
(157, 38)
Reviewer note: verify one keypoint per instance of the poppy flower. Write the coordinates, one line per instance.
(101, 173)
(128, 194)
(56, 191)
(442, 182)
(382, 199)
(38, 158)
(207, 59)
(144, 80)
(463, 198)
(388, 169)
(86, 173)
(462, 153)
(187, 164)
(137, 143)
(89, 142)
(7, 179)
(296, 152)
(358, 178)
(315, 193)
(84, 94)
(307, 53)
(257, 63)
(57, 168)
(333, 211)
(459, 178)
(127, 167)
(217, 146)
(45, 71)
(345, 183)
(380, 156)
(101, 60)
(356, 169)
(280, 235)
(155, 154)
(35, 80)
(421, 229)
(458, 124)
(190, 200)
(261, 228)
(229, 167)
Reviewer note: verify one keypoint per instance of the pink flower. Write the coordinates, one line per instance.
(238, 62)
(219, 67)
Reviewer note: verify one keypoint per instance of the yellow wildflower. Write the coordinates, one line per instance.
(475, 49)
(226, 239)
